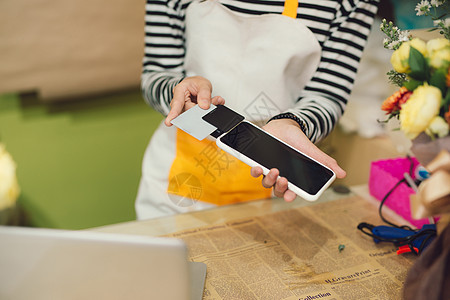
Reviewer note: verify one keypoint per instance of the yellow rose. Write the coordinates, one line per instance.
(419, 45)
(420, 109)
(400, 57)
(9, 188)
(438, 126)
(438, 51)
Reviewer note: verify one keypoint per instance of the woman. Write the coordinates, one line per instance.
(289, 63)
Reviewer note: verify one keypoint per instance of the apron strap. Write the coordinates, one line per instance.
(290, 8)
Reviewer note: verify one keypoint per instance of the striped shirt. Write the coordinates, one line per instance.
(341, 28)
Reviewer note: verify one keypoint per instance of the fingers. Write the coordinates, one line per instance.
(332, 164)
(217, 100)
(256, 171)
(190, 91)
(204, 96)
(180, 98)
(271, 178)
(280, 187)
(289, 196)
(314, 152)
(340, 173)
(281, 190)
(177, 106)
(327, 160)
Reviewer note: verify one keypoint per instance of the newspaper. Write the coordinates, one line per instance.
(306, 253)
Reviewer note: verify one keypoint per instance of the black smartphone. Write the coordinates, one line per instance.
(255, 147)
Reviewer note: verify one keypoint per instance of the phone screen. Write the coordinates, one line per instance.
(267, 151)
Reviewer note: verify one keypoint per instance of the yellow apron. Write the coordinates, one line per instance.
(259, 65)
(224, 179)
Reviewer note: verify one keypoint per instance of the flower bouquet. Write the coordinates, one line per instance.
(421, 69)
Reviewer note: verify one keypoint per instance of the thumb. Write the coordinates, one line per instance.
(333, 165)
(204, 96)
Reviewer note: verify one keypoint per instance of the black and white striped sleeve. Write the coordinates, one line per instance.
(164, 51)
(324, 98)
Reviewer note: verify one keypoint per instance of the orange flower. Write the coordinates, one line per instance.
(393, 103)
(447, 114)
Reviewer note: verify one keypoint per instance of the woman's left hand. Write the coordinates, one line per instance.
(289, 131)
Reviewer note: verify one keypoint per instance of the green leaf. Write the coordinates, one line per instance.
(418, 65)
(394, 114)
(438, 79)
(446, 99)
(396, 78)
(412, 84)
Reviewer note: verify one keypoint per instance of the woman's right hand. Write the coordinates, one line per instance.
(189, 92)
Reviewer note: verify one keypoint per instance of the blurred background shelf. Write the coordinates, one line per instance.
(78, 163)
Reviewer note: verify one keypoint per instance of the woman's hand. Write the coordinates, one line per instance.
(289, 131)
(189, 92)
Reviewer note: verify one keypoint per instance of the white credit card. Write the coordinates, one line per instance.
(192, 123)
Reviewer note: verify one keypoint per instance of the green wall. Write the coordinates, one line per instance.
(78, 162)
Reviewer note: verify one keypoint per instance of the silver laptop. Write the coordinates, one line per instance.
(62, 264)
